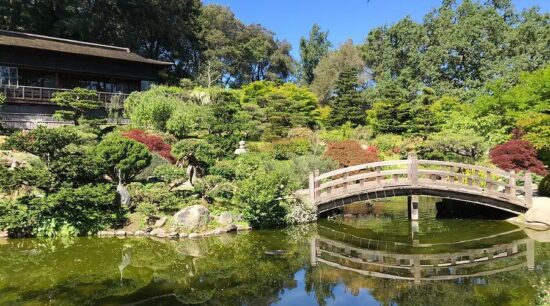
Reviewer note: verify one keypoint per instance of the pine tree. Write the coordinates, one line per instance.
(347, 104)
(312, 50)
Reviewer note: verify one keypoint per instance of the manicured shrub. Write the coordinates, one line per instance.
(48, 144)
(517, 155)
(349, 153)
(152, 199)
(544, 186)
(85, 209)
(153, 142)
(287, 148)
(120, 154)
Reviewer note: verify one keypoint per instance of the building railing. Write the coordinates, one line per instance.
(43, 95)
(28, 121)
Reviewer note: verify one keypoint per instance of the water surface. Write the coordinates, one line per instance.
(378, 259)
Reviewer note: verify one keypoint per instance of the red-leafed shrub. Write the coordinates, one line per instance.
(349, 153)
(517, 155)
(154, 143)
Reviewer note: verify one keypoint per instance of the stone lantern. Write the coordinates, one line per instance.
(242, 148)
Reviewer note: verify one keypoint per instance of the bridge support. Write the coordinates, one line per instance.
(412, 204)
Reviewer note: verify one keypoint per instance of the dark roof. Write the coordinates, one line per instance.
(27, 40)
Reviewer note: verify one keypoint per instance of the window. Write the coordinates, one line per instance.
(8, 76)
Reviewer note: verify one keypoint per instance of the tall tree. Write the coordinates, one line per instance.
(329, 68)
(312, 49)
(347, 104)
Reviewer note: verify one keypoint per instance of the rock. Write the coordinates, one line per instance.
(148, 230)
(241, 227)
(162, 235)
(540, 212)
(4, 234)
(183, 235)
(174, 235)
(225, 218)
(106, 233)
(160, 222)
(194, 235)
(139, 233)
(156, 232)
(120, 233)
(191, 217)
(129, 233)
(229, 228)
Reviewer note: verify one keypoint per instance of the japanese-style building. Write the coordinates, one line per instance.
(34, 67)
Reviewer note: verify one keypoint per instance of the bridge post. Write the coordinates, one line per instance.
(528, 187)
(413, 168)
(531, 254)
(412, 204)
(312, 188)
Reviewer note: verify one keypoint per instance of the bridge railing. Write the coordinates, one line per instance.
(416, 173)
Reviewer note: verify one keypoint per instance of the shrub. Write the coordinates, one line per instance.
(349, 153)
(517, 155)
(388, 142)
(87, 209)
(264, 196)
(154, 143)
(544, 186)
(48, 144)
(199, 148)
(77, 169)
(308, 163)
(124, 155)
(152, 199)
(170, 173)
(287, 148)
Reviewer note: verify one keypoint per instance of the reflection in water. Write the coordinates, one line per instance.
(374, 259)
(355, 262)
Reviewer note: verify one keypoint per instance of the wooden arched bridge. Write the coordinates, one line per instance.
(412, 177)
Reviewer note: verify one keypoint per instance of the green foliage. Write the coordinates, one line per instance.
(388, 142)
(215, 189)
(199, 148)
(33, 176)
(187, 119)
(87, 209)
(312, 50)
(76, 169)
(169, 173)
(264, 195)
(458, 46)
(279, 108)
(48, 144)
(154, 107)
(332, 65)
(309, 163)
(463, 147)
(153, 199)
(78, 101)
(391, 114)
(347, 105)
(288, 148)
(544, 186)
(122, 156)
(224, 130)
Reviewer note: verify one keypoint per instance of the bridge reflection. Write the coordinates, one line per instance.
(420, 262)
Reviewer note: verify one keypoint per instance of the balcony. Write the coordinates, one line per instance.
(42, 95)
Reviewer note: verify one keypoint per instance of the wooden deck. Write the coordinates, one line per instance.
(482, 185)
(42, 95)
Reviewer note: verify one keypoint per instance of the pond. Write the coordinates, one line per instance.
(371, 260)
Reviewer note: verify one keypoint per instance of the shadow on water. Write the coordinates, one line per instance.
(372, 260)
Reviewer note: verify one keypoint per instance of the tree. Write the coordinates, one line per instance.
(153, 142)
(312, 50)
(392, 113)
(464, 146)
(78, 100)
(329, 68)
(423, 121)
(517, 155)
(347, 104)
(124, 158)
(48, 144)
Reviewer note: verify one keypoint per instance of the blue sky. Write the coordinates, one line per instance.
(291, 19)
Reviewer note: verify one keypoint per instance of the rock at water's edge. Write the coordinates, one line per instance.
(191, 217)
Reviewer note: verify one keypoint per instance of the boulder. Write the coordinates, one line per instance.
(194, 235)
(139, 233)
(174, 235)
(160, 222)
(4, 234)
(191, 217)
(183, 235)
(120, 233)
(225, 218)
(241, 227)
(156, 232)
(540, 212)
